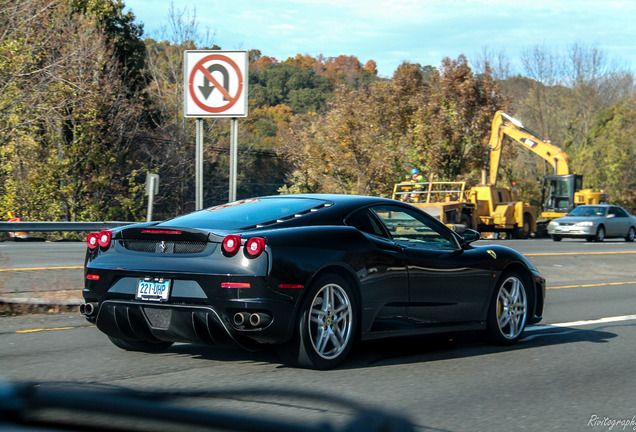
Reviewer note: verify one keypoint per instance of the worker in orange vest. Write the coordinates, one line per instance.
(18, 234)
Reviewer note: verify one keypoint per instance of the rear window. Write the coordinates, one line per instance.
(247, 213)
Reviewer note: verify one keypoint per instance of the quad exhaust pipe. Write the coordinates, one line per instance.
(252, 320)
(88, 309)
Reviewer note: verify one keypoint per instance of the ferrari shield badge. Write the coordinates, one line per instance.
(492, 253)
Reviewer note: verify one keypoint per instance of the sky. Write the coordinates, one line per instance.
(391, 32)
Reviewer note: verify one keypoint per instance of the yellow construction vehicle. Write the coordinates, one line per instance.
(483, 208)
(562, 191)
(446, 201)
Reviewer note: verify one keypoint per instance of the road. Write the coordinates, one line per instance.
(574, 371)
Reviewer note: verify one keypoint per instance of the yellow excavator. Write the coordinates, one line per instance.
(562, 191)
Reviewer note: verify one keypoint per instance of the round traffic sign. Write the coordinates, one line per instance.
(205, 69)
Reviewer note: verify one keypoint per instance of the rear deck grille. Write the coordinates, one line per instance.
(164, 247)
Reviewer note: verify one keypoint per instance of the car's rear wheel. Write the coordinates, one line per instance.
(326, 325)
(140, 345)
(631, 234)
(508, 311)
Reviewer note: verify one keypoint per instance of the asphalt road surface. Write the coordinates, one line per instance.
(575, 371)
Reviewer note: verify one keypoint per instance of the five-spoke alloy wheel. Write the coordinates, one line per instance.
(326, 326)
(508, 312)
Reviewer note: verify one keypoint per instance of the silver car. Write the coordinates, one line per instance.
(594, 223)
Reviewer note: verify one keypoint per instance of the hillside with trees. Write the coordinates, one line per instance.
(89, 106)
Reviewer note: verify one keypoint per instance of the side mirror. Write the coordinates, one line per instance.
(470, 236)
(611, 215)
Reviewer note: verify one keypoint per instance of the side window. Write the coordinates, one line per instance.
(619, 212)
(409, 228)
(365, 222)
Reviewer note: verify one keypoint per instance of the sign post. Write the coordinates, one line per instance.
(152, 189)
(198, 176)
(215, 86)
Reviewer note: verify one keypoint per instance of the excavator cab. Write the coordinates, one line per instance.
(559, 192)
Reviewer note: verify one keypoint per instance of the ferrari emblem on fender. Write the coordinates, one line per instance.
(492, 253)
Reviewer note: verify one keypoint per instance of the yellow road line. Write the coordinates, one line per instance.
(592, 285)
(41, 268)
(580, 253)
(50, 329)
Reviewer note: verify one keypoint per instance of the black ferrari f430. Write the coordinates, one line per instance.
(310, 274)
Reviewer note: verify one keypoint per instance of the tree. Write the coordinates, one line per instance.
(168, 149)
(453, 122)
(497, 62)
(609, 159)
(301, 89)
(560, 99)
(68, 155)
(359, 145)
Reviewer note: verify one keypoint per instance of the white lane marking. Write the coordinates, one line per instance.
(583, 323)
(572, 324)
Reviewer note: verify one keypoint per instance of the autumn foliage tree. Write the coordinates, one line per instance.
(368, 138)
(360, 144)
(452, 126)
(88, 107)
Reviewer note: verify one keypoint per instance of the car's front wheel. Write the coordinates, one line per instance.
(556, 238)
(600, 234)
(326, 325)
(508, 311)
(631, 234)
(140, 345)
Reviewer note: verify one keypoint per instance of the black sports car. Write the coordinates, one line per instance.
(308, 273)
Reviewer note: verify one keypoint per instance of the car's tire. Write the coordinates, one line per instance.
(140, 345)
(508, 310)
(631, 235)
(600, 234)
(556, 237)
(326, 325)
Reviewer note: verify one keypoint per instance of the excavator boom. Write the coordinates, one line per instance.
(503, 124)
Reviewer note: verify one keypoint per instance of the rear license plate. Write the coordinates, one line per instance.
(153, 289)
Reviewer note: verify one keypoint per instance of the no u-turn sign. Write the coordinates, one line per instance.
(215, 84)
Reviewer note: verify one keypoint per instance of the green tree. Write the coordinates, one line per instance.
(609, 160)
(67, 133)
(124, 35)
(301, 89)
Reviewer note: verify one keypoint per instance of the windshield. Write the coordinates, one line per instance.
(591, 211)
(245, 213)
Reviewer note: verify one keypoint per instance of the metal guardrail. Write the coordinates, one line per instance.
(59, 226)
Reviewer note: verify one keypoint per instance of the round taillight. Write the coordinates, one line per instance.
(91, 241)
(255, 246)
(231, 244)
(103, 239)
